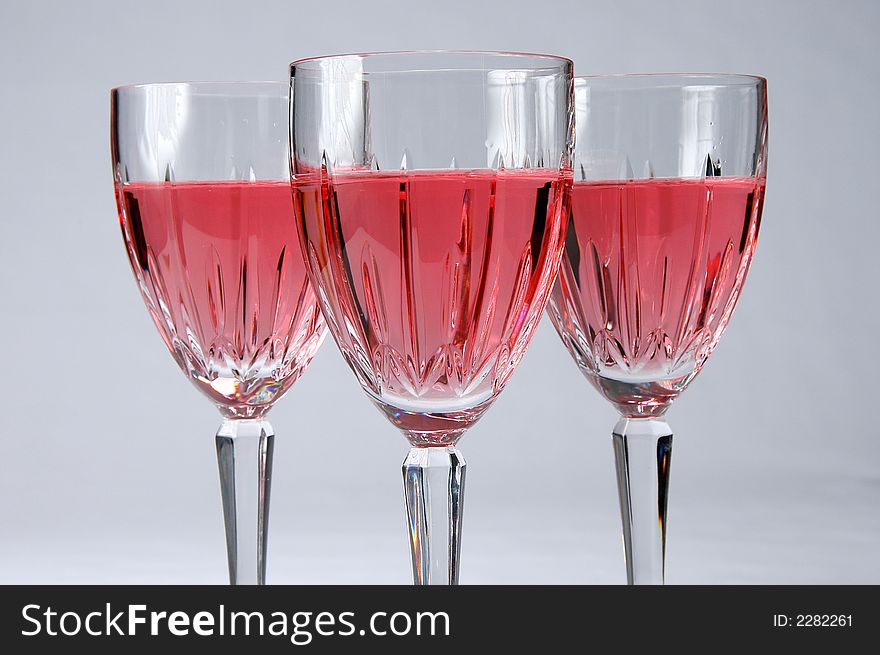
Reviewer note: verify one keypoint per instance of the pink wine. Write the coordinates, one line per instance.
(221, 271)
(651, 273)
(432, 282)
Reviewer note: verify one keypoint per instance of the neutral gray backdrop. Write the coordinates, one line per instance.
(107, 469)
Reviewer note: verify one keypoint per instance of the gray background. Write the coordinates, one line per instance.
(107, 470)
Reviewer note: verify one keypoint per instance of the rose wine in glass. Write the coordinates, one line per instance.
(446, 271)
(671, 255)
(656, 259)
(430, 192)
(222, 264)
(207, 217)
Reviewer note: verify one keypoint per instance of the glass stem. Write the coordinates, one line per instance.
(244, 454)
(433, 484)
(643, 454)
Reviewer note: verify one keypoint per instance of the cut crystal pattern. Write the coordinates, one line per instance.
(222, 276)
(433, 282)
(651, 275)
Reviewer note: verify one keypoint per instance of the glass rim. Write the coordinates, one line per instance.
(561, 61)
(674, 79)
(285, 84)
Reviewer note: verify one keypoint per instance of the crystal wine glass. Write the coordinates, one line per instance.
(203, 192)
(669, 178)
(430, 191)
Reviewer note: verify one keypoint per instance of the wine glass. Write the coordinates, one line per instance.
(669, 178)
(430, 191)
(203, 192)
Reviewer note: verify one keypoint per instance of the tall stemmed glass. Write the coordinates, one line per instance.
(669, 177)
(204, 203)
(430, 191)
